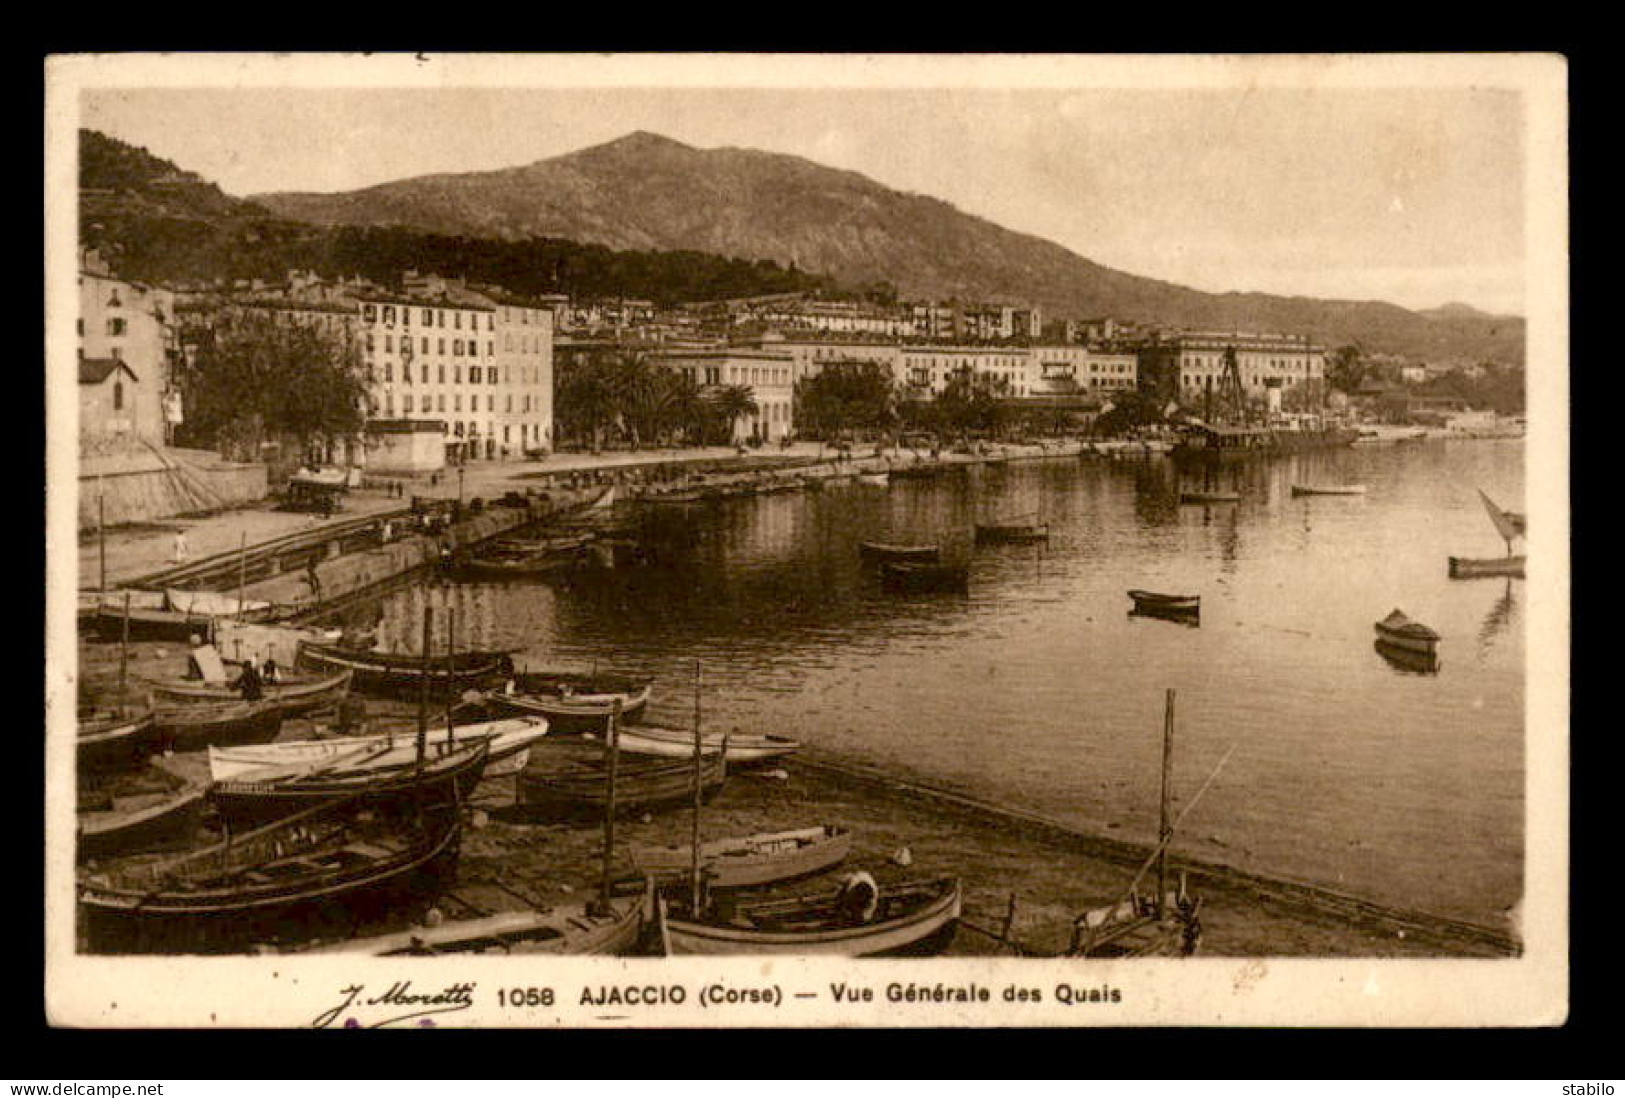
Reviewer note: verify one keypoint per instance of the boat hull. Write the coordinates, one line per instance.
(575, 931)
(581, 713)
(294, 698)
(672, 743)
(924, 577)
(120, 743)
(585, 791)
(1022, 534)
(927, 930)
(1404, 641)
(1407, 659)
(1328, 490)
(403, 676)
(751, 861)
(159, 826)
(195, 727)
(508, 752)
(1175, 607)
(876, 552)
(1469, 568)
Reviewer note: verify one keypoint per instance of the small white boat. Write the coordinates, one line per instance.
(750, 860)
(1328, 489)
(675, 743)
(509, 752)
(874, 480)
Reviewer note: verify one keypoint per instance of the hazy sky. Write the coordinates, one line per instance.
(1412, 195)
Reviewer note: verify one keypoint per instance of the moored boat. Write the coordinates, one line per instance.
(1403, 633)
(510, 742)
(1011, 533)
(571, 702)
(1210, 497)
(575, 781)
(750, 860)
(873, 480)
(400, 675)
(296, 693)
(914, 576)
(1407, 659)
(874, 552)
(116, 741)
(445, 778)
(193, 727)
(673, 743)
(1471, 568)
(913, 918)
(140, 824)
(287, 875)
(145, 624)
(1157, 604)
(1328, 489)
(573, 930)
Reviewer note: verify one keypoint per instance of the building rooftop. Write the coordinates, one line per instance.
(94, 371)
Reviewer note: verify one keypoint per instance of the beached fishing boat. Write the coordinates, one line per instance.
(1328, 489)
(857, 920)
(1140, 926)
(1210, 497)
(876, 552)
(1157, 604)
(116, 741)
(571, 702)
(750, 860)
(1473, 568)
(575, 781)
(1011, 533)
(510, 741)
(296, 693)
(289, 875)
(574, 930)
(1401, 632)
(873, 480)
(918, 576)
(151, 624)
(673, 743)
(213, 604)
(446, 776)
(140, 824)
(401, 675)
(194, 726)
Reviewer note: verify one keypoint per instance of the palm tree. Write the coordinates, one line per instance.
(731, 403)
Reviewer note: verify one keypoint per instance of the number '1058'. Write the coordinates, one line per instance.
(525, 996)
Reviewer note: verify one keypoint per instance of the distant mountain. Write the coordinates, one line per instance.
(645, 191)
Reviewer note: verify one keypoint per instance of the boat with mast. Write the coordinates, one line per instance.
(1510, 525)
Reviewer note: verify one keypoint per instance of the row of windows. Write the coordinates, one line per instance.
(476, 375)
(437, 403)
(457, 346)
(432, 318)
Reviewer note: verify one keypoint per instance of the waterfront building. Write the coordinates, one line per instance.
(127, 349)
(926, 369)
(1055, 369)
(1183, 365)
(811, 353)
(768, 374)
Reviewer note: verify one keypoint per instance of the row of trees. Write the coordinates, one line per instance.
(621, 395)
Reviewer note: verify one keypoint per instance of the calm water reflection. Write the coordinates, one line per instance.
(1039, 688)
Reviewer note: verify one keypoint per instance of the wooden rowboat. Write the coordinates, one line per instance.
(873, 480)
(445, 778)
(576, 930)
(1210, 497)
(149, 824)
(510, 742)
(1156, 604)
(676, 743)
(290, 874)
(1469, 568)
(1328, 489)
(750, 860)
(903, 919)
(152, 624)
(295, 693)
(117, 741)
(920, 576)
(1407, 659)
(575, 781)
(204, 724)
(1011, 533)
(1401, 632)
(876, 552)
(572, 702)
(400, 675)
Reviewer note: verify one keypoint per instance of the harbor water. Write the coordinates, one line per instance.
(1038, 689)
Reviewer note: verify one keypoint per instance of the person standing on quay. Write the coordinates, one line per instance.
(182, 551)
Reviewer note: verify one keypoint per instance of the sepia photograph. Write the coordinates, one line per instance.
(621, 541)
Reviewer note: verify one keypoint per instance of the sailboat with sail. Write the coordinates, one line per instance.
(1510, 525)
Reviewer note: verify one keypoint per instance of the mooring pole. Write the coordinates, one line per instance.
(101, 533)
(242, 571)
(423, 685)
(1164, 831)
(451, 669)
(699, 782)
(613, 742)
(124, 649)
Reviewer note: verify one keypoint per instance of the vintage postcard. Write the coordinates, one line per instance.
(741, 541)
